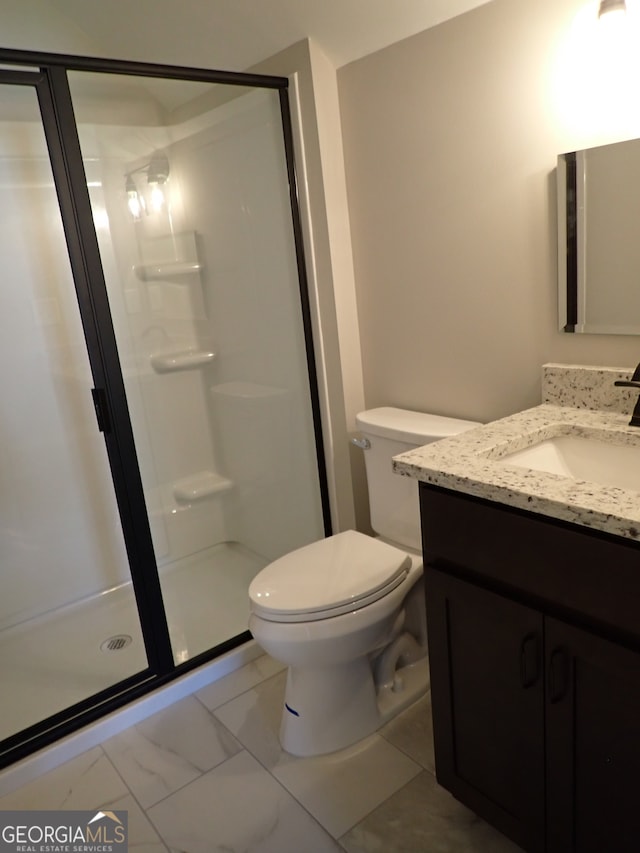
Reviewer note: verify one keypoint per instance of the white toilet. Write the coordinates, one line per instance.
(347, 614)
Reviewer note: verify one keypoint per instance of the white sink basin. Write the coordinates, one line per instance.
(583, 459)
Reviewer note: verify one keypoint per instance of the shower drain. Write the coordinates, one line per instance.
(114, 644)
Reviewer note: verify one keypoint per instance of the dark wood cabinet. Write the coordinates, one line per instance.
(593, 744)
(487, 695)
(535, 689)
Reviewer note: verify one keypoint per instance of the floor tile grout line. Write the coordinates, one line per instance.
(383, 803)
(136, 800)
(386, 799)
(407, 754)
(212, 769)
(133, 796)
(237, 696)
(295, 799)
(200, 772)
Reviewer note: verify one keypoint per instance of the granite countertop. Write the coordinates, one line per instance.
(469, 463)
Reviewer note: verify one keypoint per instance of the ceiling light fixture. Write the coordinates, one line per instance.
(609, 6)
(134, 201)
(157, 174)
(157, 170)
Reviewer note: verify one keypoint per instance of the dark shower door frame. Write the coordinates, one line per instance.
(109, 397)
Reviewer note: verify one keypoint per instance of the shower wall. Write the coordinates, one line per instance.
(206, 306)
(236, 190)
(157, 309)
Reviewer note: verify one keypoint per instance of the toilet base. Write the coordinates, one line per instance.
(411, 682)
(330, 708)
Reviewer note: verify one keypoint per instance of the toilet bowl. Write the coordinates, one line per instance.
(328, 631)
(347, 614)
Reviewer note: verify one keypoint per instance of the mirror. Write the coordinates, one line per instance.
(599, 239)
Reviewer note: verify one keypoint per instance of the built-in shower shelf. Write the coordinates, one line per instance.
(199, 487)
(159, 272)
(171, 362)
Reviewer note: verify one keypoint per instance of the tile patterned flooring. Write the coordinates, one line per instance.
(207, 774)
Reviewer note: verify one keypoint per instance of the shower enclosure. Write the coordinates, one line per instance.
(160, 434)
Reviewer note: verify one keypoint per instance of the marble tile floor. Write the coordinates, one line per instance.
(207, 774)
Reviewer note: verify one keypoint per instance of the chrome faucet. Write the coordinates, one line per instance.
(634, 382)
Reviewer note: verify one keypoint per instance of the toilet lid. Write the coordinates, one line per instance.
(335, 574)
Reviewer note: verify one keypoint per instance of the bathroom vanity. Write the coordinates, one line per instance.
(533, 610)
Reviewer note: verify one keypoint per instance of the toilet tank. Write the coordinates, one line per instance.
(393, 499)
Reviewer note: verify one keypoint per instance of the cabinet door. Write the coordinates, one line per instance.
(593, 743)
(488, 704)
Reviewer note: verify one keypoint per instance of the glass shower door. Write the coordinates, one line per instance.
(190, 195)
(69, 627)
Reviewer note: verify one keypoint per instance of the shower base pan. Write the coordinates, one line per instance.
(50, 663)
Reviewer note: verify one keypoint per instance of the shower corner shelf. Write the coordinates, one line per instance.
(172, 362)
(200, 486)
(173, 269)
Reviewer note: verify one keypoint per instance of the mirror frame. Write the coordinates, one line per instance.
(577, 210)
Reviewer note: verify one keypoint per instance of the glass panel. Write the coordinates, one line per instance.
(190, 195)
(4, 66)
(65, 583)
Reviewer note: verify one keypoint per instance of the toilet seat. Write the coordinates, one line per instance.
(336, 575)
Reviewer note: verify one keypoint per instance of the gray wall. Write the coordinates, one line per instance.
(450, 141)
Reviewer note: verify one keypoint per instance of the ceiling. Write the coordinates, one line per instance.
(236, 34)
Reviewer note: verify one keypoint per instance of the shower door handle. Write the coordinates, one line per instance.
(101, 406)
